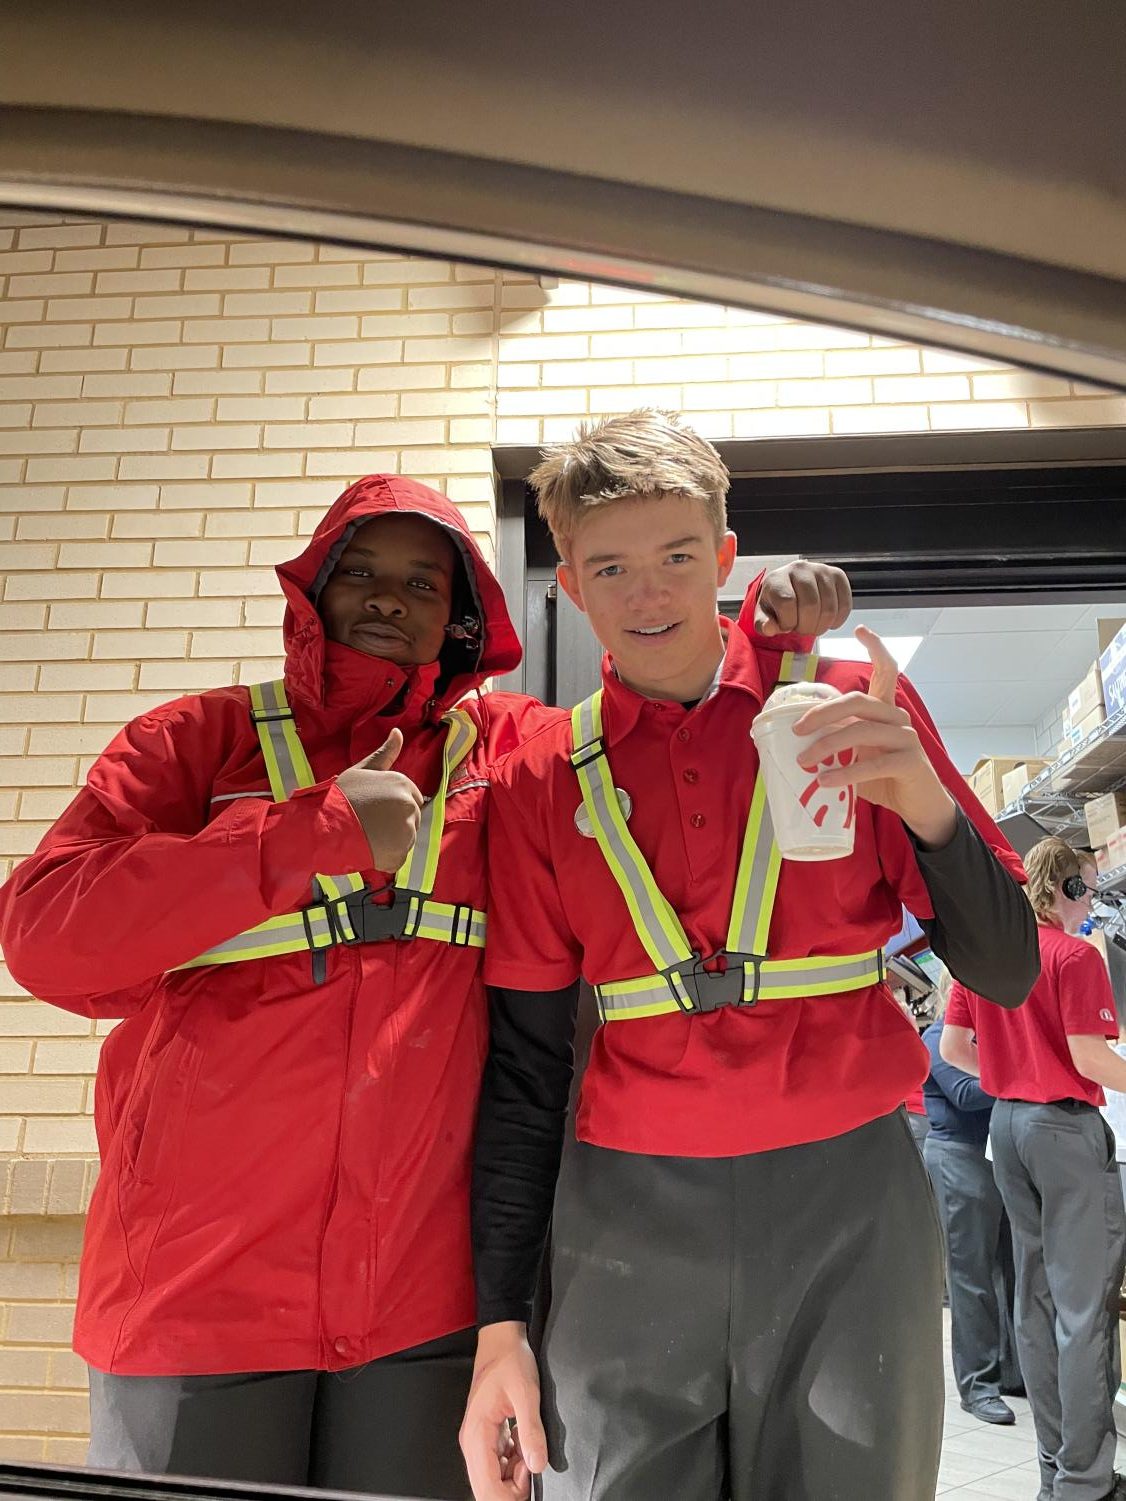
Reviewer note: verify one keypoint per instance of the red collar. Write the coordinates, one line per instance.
(622, 706)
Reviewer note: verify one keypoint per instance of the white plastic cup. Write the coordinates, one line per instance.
(811, 822)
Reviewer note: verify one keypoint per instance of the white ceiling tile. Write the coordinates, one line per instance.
(973, 619)
(992, 657)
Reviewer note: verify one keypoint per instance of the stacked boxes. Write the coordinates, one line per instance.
(996, 780)
(1106, 829)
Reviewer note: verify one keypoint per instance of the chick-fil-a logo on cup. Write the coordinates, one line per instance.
(830, 807)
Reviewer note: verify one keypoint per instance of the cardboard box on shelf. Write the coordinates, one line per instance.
(1014, 782)
(1076, 730)
(1106, 815)
(987, 777)
(1107, 630)
(1103, 861)
(1086, 695)
(1112, 664)
(1114, 851)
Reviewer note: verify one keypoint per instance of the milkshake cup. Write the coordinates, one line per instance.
(811, 822)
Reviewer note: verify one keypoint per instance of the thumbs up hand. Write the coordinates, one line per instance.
(886, 762)
(387, 804)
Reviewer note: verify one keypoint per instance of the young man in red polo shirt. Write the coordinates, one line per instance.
(1054, 1161)
(745, 1282)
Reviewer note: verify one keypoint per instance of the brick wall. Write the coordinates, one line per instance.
(176, 410)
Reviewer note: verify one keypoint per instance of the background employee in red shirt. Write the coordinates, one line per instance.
(1054, 1161)
(745, 1270)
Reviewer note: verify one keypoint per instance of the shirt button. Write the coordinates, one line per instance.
(697, 820)
(684, 734)
(342, 1346)
(690, 774)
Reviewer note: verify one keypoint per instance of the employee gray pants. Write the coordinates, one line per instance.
(1055, 1166)
(388, 1427)
(971, 1212)
(759, 1328)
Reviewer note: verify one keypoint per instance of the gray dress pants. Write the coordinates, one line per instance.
(388, 1428)
(971, 1212)
(759, 1328)
(1055, 1166)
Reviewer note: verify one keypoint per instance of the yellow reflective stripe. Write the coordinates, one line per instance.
(756, 883)
(798, 667)
(419, 869)
(656, 924)
(651, 1008)
(273, 769)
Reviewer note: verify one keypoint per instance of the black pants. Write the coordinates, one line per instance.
(388, 1428)
(760, 1328)
(981, 1314)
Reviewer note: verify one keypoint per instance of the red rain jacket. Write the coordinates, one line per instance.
(285, 1165)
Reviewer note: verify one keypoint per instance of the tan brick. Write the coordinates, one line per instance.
(267, 304)
(111, 497)
(118, 708)
(15, 414)
(123, 383)
(710, 396)
(392, 325)
(44, 1413)
(19, 262)
(178, 357)
(135, 645)
(347, 408)
(17, 677)
(233, 643)
(25, 498)
(792, 422)
(227, 279)
(880, 419)
(270, 252)
(471, 429)
(53, 585)
(194, 614)
(344, 274)
(348, 464)
(68, 1371)
(41, 1096)
(71, 309)
(33, 1019)
(164, 466)
(267, 611)
(172, 409)
(258, 523)
(125, 233)
(258, 356)
(356, 299)
(307, 435)
(293, 493)
(138, 281)
(44, 771)
(54, 525)
(396, 434)
(39, 387)
(23, 617)
(183, 255)
(134, 332)
(422, 461)
(519, 430)
(948, 361)
(315, 327)
(100, 614)
(399, 377)
(268, 551)
(210, 496)
(261, 408)
(16, 1449)
(81, 677)
(179, 305)
(29, 1279)
(275, 465)
(104, 555)
(24, 311)
(202, 553)
(210, 438)
(82, 359)
(147, 585)
(27, 555)
(23, 1368)
(34, 646)
(403, 271)
(612, 399)
(286, 382)
(259, 669)
(150, 525)
(15, 1057)
(565, 320)
(539, 403)
(125, 440)
(37, 1324)
(972, 414)
(25, 1191)
(359, 352)
(77, 413)
(216, 382)
(108, 258)
(238, 583)
(813, 393)
(73, 1133)
(22, 442)
(226, 331)
(185, 677)
(48, 335)
(1080, 412)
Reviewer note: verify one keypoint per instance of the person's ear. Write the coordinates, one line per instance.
(725, 557)
(568, 581)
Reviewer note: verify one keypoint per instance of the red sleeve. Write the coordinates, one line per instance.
(1085, 997)
(959, 1008)
(132, 880)
(746, 622)
(530, 944)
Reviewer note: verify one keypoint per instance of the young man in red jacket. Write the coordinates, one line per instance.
(745, 1280)
(276, 1283)
(1055, 1164)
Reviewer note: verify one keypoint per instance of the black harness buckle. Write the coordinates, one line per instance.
(374, 923)
(712, 989)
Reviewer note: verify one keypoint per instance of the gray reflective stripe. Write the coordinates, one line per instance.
(275, 704)
(656, 924)
(778, 979)
(783, 974)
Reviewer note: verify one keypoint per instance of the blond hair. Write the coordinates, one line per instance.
(645, 453)
(1048, 865)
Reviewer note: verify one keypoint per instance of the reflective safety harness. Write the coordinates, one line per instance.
(741, 973)
(343, 909)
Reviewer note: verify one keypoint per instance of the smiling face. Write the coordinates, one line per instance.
(646, 570)
(390, 592)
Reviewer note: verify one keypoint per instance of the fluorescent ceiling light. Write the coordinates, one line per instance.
(848, 649)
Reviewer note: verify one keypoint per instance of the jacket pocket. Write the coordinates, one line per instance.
(159, 1108)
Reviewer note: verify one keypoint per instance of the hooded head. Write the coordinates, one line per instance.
(390, 599)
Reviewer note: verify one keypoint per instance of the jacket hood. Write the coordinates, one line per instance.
(312, 663)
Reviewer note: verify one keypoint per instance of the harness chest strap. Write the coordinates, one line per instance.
(678, 980)
(342, 910)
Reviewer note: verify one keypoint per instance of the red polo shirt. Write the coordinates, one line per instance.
(1024, 1053)
(735, 1080)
